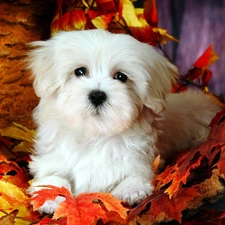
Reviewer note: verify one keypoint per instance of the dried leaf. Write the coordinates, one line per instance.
(172, 208)
(18, 132)
(9, 219)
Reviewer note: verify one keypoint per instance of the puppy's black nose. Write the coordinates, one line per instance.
(97, 97)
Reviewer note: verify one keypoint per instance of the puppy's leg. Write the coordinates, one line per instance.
(133, 189)
(49, 207)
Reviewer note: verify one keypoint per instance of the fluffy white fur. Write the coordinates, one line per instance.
(109, 148)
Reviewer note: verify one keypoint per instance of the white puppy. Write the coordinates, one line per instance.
(101, 117)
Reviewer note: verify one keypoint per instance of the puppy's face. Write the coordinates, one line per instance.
(99, 82)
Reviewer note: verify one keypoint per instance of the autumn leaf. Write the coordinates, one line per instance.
(75, 20)
(9, 219)
(181, 181)
(173, 207)
(51, 221)
(12, 173)
(14, 198)
(127, 12)
(118, 16)
(102, 21)
(205, 153)
(5, 148)
(85, 208)
(206, 59)
(150, 13)
(106, 6)
(18, 132)
(21, 133)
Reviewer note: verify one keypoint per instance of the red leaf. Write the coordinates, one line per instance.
(150, 12)
(206, 77)
(12, 173)
(106, 6)
(173, 207)
(207, 58)
(145, 34)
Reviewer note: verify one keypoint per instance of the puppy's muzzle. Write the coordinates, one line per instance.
(97, 97)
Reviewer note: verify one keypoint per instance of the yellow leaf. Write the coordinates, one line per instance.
(102, 22)
(163, 35)
(23, 147)
(13, 194)
(13, 198)
(18, 132)
(127, 12)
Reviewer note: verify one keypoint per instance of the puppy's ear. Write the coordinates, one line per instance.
(41, 63)
(162, 75)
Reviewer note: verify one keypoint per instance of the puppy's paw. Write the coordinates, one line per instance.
(136, 196)
(49, 206)
(132, 192)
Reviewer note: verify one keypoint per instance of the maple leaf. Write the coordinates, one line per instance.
(207, 58)
(174, 206)
(84, 209)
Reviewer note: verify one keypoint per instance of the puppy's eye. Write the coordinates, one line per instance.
(80, 71)
(121, 76)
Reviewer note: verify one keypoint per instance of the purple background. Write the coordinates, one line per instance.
(197, 24)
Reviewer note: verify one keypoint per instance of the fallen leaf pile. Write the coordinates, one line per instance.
(196, 176)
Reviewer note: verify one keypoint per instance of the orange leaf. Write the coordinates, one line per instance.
(74, 20)
(84, 209)
(48, 192)
(80, 211)
(206, 59)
